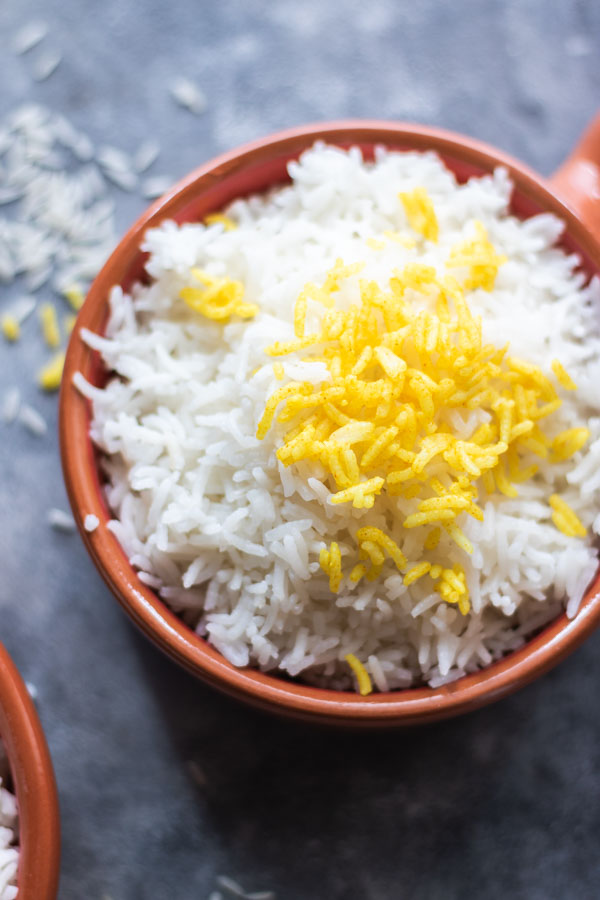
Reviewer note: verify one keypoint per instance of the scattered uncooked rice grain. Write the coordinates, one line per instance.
(61, 226)
(60, 520)
(118, 168)
(77, 142)
(234, 889)
(91, 522)
(10, 404)
(32, 420)
(578, 45)
(22, 308)
(9, 835)
(146, 155)
(127, 181)
(46, 64)
(56, 228)
(156, 186)
(235, 537)
(113, 158)
(29, 36)
(187, 94)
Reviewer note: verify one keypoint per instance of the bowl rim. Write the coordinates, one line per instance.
(150, 613)
(34, 785)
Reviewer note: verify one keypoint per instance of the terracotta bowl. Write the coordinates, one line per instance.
(34, 785)
(574, 195)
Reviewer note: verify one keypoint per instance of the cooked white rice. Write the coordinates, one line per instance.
(230, 538)
(9, 835)
(91, 522)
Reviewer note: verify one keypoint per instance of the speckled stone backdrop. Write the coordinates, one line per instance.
(502, 803)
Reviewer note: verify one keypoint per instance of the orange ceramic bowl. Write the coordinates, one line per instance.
(34, 785)
(254, 168)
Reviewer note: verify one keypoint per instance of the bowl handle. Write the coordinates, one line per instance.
(577, 181)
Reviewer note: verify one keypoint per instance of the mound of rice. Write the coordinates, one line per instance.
(229, 537)
(9, 854)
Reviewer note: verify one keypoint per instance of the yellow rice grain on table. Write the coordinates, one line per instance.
(75, 295)
(10, 327)
(49, 323)
(69, 323)
(49, 377)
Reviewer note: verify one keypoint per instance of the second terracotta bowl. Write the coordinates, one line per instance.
(254, 168)
(34, 785)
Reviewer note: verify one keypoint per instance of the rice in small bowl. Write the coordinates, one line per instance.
(29, 815)
(301, 390)
(9, 833)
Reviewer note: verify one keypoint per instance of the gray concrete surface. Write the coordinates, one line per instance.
(502, 803)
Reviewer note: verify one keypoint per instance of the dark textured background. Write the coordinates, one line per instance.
(502, 803)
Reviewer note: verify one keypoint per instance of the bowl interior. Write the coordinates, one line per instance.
(255, 169)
